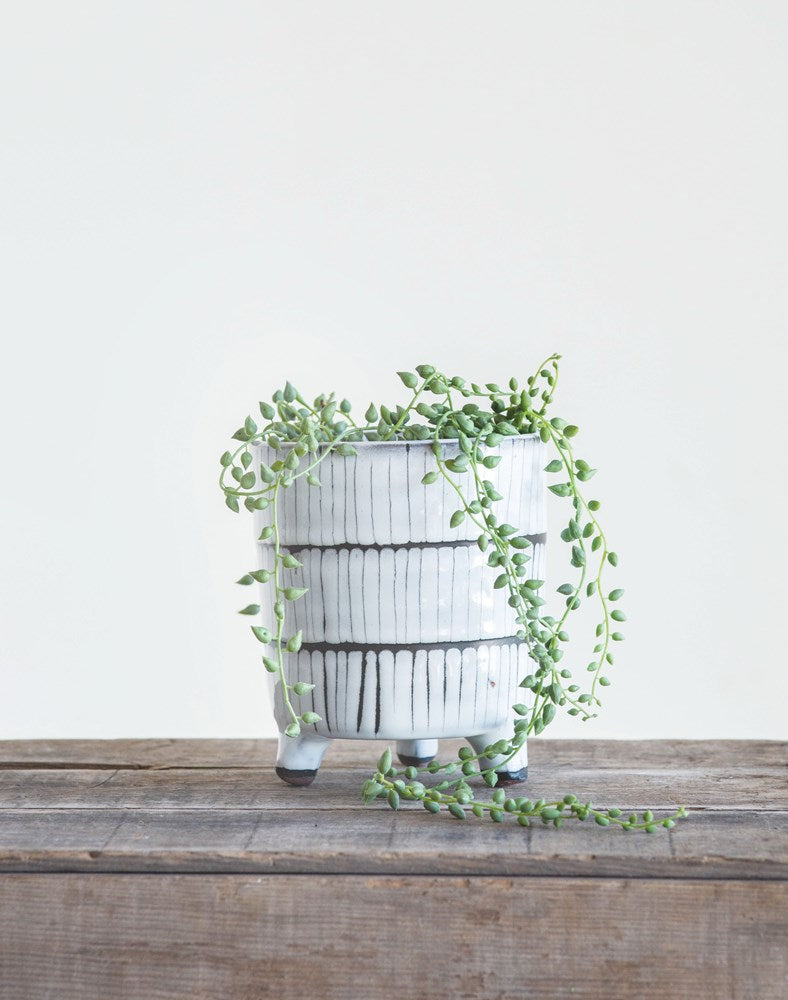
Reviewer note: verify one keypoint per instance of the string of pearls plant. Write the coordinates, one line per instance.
(476, 418)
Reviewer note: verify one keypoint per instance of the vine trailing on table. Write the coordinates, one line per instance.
(303, 435)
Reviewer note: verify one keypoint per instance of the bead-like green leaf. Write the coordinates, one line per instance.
(294, 642)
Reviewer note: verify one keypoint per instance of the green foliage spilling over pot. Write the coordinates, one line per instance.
(474, 419)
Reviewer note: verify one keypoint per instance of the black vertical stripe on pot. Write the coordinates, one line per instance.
(349, 601)
(371, 504)
(427, 675)
(331, 521)
(391, 504)
(336, 686)
(459, 695)
(393, 592)
(320, 513)
(345, 497)
(323, 597)
(339, 595)
(377, 695)
(407, 486)
(325, 694)
(313, 694)
(363, 591)
(361, 693)
(412, 686)
(406, 632)
(355, 493)
(421, 577)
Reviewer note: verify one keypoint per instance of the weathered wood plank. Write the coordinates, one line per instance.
(295, 936)
(738, 845)
(162, 753)
(659, 788)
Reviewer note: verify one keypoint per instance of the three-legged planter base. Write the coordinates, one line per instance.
(298, 759)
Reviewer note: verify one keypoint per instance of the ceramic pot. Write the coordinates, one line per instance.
(404, 636)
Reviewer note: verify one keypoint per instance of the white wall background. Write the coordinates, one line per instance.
(198, 200)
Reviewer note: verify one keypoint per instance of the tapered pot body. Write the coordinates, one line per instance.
(404, 635)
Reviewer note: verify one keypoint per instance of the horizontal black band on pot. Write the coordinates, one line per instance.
(296, 547)
(408, 647)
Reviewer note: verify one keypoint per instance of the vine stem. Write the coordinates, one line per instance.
(279, 606)
(567, 457)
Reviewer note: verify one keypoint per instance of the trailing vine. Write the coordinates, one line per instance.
(470, 421)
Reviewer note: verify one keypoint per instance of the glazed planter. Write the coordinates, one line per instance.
(404, 636)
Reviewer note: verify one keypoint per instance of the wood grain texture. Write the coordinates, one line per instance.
(185, 868)
(114, 936)
(377, 841)
(216, 806)
(256, 788)
(594, 754)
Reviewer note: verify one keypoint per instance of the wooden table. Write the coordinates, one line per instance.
(185, 868)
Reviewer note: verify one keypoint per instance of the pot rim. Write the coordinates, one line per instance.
(399, 441)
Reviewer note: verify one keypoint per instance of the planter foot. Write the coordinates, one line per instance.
(298, 778)
(299, 758)
(510, 771)
(416, 753)
(512, 777)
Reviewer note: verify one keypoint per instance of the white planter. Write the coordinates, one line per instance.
(404, 636)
